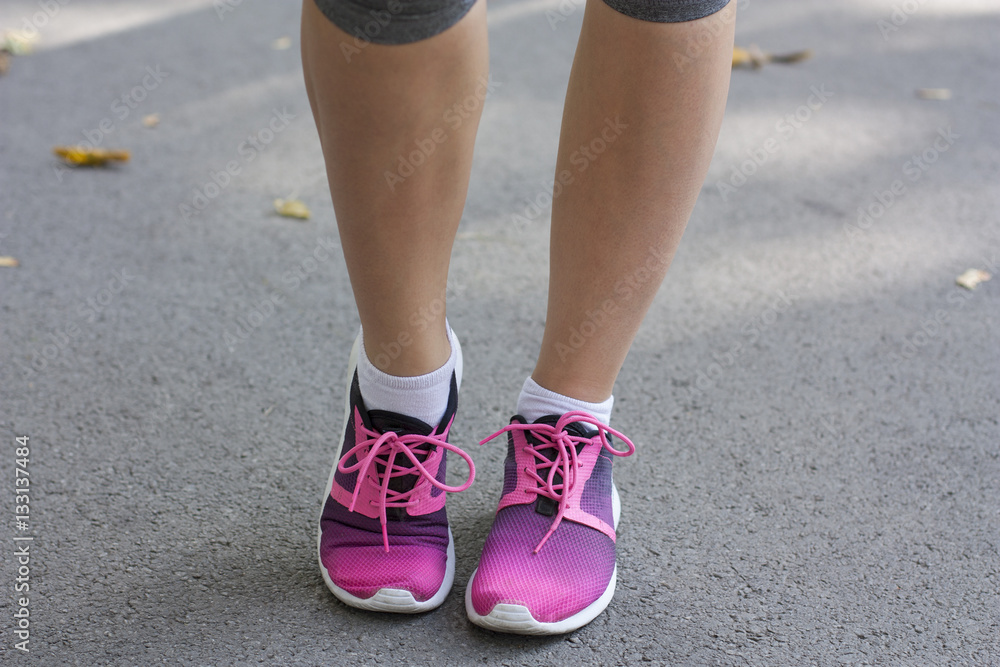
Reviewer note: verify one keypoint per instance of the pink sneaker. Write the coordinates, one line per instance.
(384, 541)
(548, 565)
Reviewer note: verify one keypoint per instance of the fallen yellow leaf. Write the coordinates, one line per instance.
(291, 208)
(152, 120)
(7, 261)
(971, 278)
(81, 156)
(281, 43)
(18, 42)
(754, 58)
(742, 57)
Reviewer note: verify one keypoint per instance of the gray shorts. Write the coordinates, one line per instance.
(405, 21)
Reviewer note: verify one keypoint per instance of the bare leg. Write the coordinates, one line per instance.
(616, 226)
(371, 108)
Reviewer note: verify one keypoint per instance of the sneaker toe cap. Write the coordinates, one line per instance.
(364, 570)
(570, 572)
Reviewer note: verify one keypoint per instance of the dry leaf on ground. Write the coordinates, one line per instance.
(81, 156)
(291, 208)
(8, 261)
(151, 120)
(18, 42)
(934, 93)
(15, 43)
(971, 278)
(753, 57)
(281, 43)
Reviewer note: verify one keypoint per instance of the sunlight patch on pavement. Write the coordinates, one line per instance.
(60, 23)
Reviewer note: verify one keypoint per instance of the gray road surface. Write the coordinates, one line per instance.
(814, 400)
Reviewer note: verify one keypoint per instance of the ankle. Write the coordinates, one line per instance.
(408, 354)
(580, 386)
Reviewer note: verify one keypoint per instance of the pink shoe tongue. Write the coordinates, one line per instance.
(384, 421)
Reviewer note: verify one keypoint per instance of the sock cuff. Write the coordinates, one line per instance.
(536, 401)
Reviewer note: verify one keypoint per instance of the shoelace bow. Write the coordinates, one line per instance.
(381, 459)
(566, 462)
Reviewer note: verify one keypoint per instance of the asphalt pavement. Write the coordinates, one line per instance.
(814, 399)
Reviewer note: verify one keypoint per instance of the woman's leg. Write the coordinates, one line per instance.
(397, 122)
(639, 127)
(398, 159)
(642, 114)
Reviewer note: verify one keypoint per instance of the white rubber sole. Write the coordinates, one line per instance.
(517, 619)
(391, 600)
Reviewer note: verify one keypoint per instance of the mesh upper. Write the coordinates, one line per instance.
(596, 497)
(570, 572)
(572, 569)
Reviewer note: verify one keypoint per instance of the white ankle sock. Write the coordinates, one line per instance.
(424, 397)
(536, 401)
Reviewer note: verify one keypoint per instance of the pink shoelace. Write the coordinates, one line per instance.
(566, 462)
(381, 459)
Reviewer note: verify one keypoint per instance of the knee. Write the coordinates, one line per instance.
(667, 11)
(394, 21)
